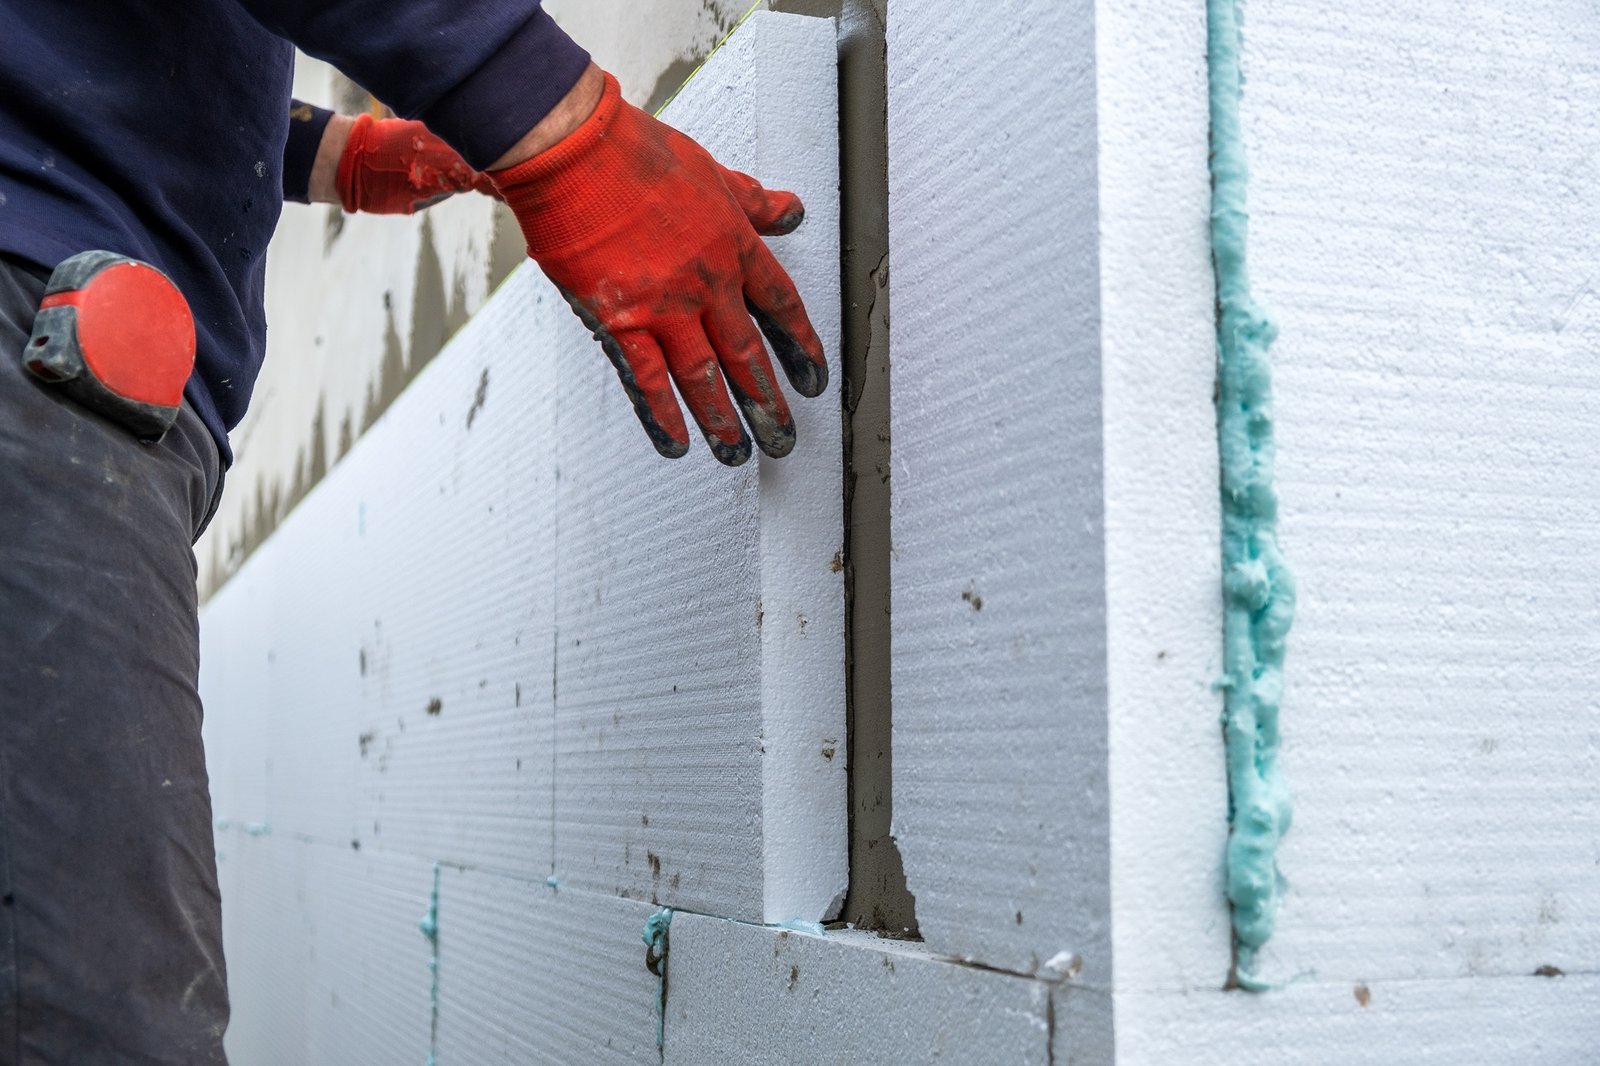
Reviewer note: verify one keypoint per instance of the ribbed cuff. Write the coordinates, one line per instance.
(306, 126)
(580, 185)
(344, 181)
(491, 110)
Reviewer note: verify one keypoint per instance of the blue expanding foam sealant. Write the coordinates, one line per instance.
(656, 929)
(430, 929)
(1257, 588)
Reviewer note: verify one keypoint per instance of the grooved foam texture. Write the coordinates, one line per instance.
(1441, 461)
(1424, 204)
(1422, 207)
(1000, 794)
(846, 998)
(506, 636)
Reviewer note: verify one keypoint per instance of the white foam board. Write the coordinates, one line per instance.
(1441, 469)
(741, 993)
(454, 753)
(266, 948)
(1437, 461)
(396, 636)
(1000, 792)
(1486, 1020)
(700, 712)
(329, 965)
(1163, 524)
(1421, 201)
(530, 974)
(326, 962)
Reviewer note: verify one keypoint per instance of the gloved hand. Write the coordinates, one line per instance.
(391, 166)
(656, 247)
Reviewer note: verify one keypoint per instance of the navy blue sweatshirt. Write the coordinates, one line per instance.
(162, 130)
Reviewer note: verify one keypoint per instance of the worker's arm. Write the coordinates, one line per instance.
(654, 244)
(307, 125)
(479, 73)
(323, 186)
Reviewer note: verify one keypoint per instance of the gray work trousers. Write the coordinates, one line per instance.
(110, 926)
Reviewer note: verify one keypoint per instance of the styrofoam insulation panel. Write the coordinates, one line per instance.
(1437, 464)
(1486, 1020)
(268, 984)
(1163, 523)
(741, 993)
(530, 974)
(1421, 205)
(328, 966)
(380, 673)
(335, 970)
(700, 611)
(1000, 793)
(1082, 1032)
(1440, 462)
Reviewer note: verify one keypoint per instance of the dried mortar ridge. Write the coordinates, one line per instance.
(1258, 590)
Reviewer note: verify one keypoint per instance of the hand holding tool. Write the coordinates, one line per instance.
(657, 248)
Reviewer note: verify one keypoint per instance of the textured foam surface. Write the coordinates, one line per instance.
(746, 994)
(1422, 218)
(1000, 797)
(1436, 466)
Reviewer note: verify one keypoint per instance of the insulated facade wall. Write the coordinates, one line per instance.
(1422, 211)
(1423, 196)
(503, 639)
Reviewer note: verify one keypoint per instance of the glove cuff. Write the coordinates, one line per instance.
(345, 182)
(593, 177)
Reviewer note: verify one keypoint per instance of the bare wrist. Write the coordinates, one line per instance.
(568, 114)
(324, 185)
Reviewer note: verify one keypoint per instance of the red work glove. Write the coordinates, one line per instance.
(656, 247)
(394, 167)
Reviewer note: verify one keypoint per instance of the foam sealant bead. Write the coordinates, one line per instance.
(1258, 590)
(254, 829)
(655, 941)
(430, 929)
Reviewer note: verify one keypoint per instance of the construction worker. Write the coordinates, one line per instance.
(164, 132)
